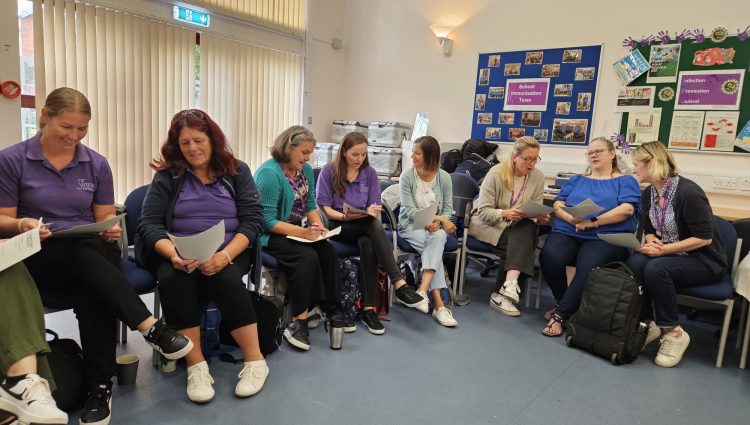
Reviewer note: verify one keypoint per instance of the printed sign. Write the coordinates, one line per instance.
(709, 89)
(526, 94)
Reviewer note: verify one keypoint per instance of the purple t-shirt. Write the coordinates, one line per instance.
(29, 182)
(199, 207)
(361, 193)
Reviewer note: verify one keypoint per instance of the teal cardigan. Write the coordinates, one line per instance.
(443, 189)
(277, 195)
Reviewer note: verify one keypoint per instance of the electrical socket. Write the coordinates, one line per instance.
(744, 183)
(727, 183)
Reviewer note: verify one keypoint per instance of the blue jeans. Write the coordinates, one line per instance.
(661, 276)
(430, 246)
(562, 250)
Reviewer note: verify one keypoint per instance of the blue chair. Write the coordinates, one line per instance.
(717, 295)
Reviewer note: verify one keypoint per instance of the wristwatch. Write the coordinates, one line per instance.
(595, 220)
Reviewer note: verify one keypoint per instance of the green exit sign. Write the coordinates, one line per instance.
(195, 17)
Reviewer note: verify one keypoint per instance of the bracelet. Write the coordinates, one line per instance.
(20, 223)
(228, 257)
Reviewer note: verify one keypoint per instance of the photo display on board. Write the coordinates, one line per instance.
(545, 93)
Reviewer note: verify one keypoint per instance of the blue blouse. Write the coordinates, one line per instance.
(608, 194)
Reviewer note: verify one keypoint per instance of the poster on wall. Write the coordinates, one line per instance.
(643, 126)
(743, 138)
(715, 89)
(632, 66)
(686, 130)
(719, 131)
(526, 94)
(634, 98)
(664, 60)
(569, 130)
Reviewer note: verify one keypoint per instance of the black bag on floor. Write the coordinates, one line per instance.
(270, 313)
(66, 363)
(607, 321)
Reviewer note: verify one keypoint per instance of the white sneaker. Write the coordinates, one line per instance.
(252, 377)
(653, 333)
(424, 306)
(672, 348)
(31, 401)
(511, 290)
(200, 383)
(444, 317)
(504, 305)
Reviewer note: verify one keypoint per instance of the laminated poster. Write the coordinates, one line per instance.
(719, 131)
(664, 60)
(631, 67)
(686, 130)
(643, 126)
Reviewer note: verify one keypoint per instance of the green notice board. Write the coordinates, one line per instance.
(712, 53)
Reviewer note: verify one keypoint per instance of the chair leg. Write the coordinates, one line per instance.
(539, 282)
(745, 339)
(724, 331)
(123, 331)
(527, 295)
(462, 277)
(741, 326)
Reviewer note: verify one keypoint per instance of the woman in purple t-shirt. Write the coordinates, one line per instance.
(55, 177)
(350, 179)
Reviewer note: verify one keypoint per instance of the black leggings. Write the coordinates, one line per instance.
(87, 270)
(374, 249)
(311, 271)
(183, 295)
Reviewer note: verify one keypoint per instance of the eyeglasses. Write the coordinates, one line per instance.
(193, 113)
(530, 160)
(595, 152)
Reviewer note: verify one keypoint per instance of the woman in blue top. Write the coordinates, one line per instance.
(350, 179)
(573, 240)
(287, 194)
(423, 185)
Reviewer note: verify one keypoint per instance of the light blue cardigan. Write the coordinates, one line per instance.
(443, 190)
(277, 195)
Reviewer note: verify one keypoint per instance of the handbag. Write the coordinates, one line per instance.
(66, 363)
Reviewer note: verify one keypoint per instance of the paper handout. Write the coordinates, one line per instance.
(424, 217)
(583, 209)
(19, 247)
(533, 208)
(330, 233)
(91, 228)
(202, 246)
(627, 240)
(348, 209)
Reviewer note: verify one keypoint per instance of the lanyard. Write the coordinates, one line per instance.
(515, 197)
(661, 212)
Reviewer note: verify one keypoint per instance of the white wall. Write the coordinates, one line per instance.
(10, 69)
(394, 66)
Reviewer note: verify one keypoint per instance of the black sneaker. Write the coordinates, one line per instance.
(371, 321)
(297, 335)
(167, 341)
(98, 406)
(407, 296)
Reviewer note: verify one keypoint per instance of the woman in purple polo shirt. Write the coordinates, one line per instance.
(54, 177)
(198, 184)
(350, 179)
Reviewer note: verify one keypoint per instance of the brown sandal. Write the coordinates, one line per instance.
(556, 319)
(548, 314)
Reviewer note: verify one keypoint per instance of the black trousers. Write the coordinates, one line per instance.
(183, 295)
(374, 249)
(87, 270)
(517, 245)
(311, 271)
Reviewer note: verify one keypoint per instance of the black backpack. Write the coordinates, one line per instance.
(449, 160)
(476, 146)
(66, 363)
(270, 313)
(607, 321)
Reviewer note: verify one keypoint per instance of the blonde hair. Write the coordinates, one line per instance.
(611, 148)
(506, 168)
(658, 159)
(65, 99)
(288, 139)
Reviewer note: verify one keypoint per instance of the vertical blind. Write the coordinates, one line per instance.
(283, 15)
(136, 72)
(252, 92)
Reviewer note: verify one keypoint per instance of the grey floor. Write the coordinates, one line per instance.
(492, 369)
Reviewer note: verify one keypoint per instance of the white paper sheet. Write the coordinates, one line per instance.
(583, 209)
(627, 240)
(91, 228)
(202, 246)
(19, 247)
(330, 233)
(350, 209)
(424, 217)
(533, 208)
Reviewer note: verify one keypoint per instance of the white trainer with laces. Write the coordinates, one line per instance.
(511, 290)
(424, 306)
(200, 383)
(653, 333)
(31, 402)
(444, 317)
(252, 377)
(672, 348)
(504, 305)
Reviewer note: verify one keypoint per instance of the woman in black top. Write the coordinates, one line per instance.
(681, 248)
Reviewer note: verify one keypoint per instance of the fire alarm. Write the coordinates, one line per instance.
(10, 89)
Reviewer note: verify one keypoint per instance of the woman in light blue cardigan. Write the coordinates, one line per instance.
(421, 186)
(287, 189)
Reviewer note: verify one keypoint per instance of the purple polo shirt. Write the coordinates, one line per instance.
(361, 193)
(200, 206)
(29, 182)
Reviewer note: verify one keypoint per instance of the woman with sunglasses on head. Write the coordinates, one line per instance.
(682, 247)
(54, 176)
(501, 224)
(574, 240)
(350, 179)
(199, 183)
(286, 184)
(422, 186)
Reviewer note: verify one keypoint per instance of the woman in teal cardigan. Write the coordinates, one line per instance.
(287, 187)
